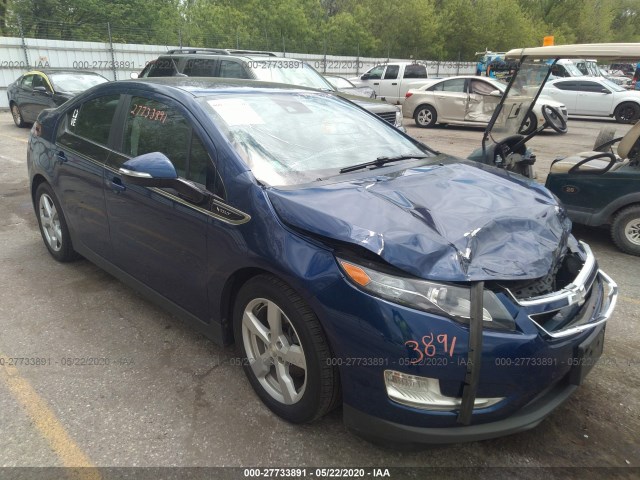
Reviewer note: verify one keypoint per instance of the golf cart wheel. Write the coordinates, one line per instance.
(425, 116)
(627, 112)
(529, 125)
(285, 353)
(606, 135)
(625, 230)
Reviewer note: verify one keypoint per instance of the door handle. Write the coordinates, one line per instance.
(116, 185)
(394, 83)
(376, 83)
(62, 158)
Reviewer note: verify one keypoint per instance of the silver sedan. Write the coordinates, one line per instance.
(465, 100)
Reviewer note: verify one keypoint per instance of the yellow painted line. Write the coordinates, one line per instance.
(69, 453)
(630, 300)
(14, 138)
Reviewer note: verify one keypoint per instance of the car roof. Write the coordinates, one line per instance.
(49, 71)
(604, 51)
(202, 86)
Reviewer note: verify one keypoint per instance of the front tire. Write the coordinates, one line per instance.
(285, 353)
(425, 116)
(17, 115)
(625, 230)
(627, 112)
(53, 226)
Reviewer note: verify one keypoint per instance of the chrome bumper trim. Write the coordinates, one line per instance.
(572, 293)
(612, 298)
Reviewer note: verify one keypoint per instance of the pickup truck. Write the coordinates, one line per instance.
(391, 81)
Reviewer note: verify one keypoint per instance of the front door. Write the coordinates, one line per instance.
(159, 237)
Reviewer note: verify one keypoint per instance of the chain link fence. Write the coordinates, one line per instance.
(116, 52)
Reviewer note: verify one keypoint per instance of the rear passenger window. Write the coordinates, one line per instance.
(455, 85)
(230, 69)
(200, 67)
(567, 85)
(163, 67)
(415, 71)
(92, 120)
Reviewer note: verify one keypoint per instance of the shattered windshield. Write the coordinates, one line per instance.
(525, 85)
(291, 138)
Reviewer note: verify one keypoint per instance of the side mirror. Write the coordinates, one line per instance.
(495, 93)
(41, 90)
(154, 169)
(133, 75)
(604, 90)
(365, 76)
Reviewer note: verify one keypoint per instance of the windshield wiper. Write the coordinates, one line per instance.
(378, 162)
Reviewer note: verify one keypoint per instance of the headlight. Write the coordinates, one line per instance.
(452, 301)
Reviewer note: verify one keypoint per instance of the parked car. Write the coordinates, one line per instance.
(391, 81)
(257, 65)
(40, 89)
(350, 263)
(345, 86)
(595, 96)
(466, 100)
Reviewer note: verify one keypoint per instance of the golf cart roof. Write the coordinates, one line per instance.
(603, 51)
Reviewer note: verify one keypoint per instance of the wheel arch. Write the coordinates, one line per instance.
(622, 102)
(605, 216)
(35, 183)
(229, 293)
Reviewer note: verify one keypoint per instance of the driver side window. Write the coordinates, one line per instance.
(376, 72)
(153, 126)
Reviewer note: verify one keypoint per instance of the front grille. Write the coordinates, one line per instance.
(388, 117)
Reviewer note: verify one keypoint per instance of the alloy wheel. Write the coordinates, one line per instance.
(50, 222)
(274, 351)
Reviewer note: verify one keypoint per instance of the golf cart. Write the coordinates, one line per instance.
(599, 187)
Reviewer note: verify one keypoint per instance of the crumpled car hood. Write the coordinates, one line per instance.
(445, 221)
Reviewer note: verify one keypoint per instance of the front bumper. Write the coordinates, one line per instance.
(532, 368)
(381, 431)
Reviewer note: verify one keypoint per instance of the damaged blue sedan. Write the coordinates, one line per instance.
(435, 299)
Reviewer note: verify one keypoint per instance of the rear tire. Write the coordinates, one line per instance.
(53, 226)
(627, 112)
(17, 115)
(284, 351)
(425, 116)
(625, 230)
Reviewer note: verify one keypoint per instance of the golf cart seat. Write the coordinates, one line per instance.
(601, 162)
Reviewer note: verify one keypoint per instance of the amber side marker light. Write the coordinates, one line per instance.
(355, 273)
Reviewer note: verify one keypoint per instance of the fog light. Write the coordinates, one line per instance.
(424, 393)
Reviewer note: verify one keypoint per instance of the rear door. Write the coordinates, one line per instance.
(81, 153)
(159, 237)
(565, 91)
(451, 99)
(24, 98)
